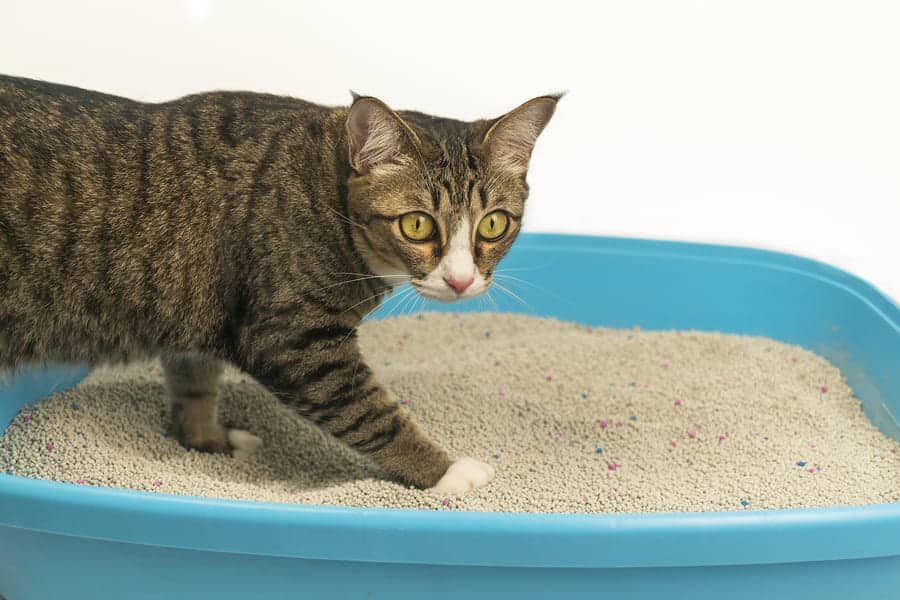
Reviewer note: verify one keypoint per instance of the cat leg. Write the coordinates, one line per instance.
(192, 380)
(320, 374)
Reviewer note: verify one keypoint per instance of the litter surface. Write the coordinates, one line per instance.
(574, 419)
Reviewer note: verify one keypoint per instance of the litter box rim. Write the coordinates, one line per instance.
(475, 538)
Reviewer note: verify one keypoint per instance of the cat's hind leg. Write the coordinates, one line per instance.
(192, 380)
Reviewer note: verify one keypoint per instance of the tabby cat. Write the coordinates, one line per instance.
(254, 229)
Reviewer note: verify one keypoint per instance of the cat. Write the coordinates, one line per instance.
(253, 229)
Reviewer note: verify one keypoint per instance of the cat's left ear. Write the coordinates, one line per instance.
(376, 134)
(511, 138)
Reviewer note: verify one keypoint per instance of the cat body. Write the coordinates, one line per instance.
(253, 229)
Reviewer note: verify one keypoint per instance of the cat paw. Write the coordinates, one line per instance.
(243, 443)
(464, 475)
(209, 440)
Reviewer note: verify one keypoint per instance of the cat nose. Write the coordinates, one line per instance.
(458, 285)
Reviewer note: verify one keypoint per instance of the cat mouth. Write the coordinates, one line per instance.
(444, 293)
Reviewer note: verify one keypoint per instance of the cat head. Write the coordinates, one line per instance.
(439, 201)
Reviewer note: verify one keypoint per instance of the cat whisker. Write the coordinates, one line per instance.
(365, 278)
(510, 278)
(345, 218)
(363, 301)
(509, 292)
(403, 295)
(404, 275)
(519, 269)
(347, 337)
(409, 303)
(493, 301)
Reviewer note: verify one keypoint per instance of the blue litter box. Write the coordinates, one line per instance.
(84, 543)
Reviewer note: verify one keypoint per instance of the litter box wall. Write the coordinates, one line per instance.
(83, 543)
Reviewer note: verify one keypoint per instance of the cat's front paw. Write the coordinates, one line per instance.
(243, 443)
(464, 475)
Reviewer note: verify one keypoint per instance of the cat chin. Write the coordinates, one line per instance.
(447, 296)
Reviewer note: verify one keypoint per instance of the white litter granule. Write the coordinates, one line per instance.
(573, 419)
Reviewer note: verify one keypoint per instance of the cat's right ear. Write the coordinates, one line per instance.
(376, 135)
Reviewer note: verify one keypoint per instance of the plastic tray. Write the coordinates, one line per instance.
(85, 543)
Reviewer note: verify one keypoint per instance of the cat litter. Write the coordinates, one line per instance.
(733, 423)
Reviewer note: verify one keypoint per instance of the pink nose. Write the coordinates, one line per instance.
(459, 286)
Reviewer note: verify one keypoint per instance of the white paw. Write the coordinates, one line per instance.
(243, 442)
(464, 475)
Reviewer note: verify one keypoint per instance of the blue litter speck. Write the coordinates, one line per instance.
(387, 363)
(584, 395)
(495, 455)
(632, 384)
(166, 434)
(599, 450)
(766, 438)
(74, 406)
(801, 463)
(744, 503)
(633, 418)
(487, 334)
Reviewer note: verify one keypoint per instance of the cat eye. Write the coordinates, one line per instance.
(493, 226)
(417, 226)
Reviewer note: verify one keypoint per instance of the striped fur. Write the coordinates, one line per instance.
(235, 227)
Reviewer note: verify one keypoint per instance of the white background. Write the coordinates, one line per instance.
(767, 123)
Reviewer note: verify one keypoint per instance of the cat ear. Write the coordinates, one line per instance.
(511, 138)
(376, 134)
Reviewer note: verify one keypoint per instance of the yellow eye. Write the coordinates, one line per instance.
(417, 226)
(493, 226)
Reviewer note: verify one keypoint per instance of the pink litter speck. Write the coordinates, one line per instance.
(678, 403)
(718, 380)
(588, 330)
(619, 423)
(811, 470)
(455, 315)
(678, 333)
(613, 466)
(404, 402)
(445, 502)
(664, 365)
(243, 381)
(496, 363)
(584, 499)
(557, 434)
(502, 393)
(50, 446)
(793, 359)
(722, 437)
(824, 388)
(604, 424)
(646, 386)
(673, 443)
(79, 481)
(812, 444)
(27, 418)
(692, 434)
(157, 483)
(893, 451)
(548, 377)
